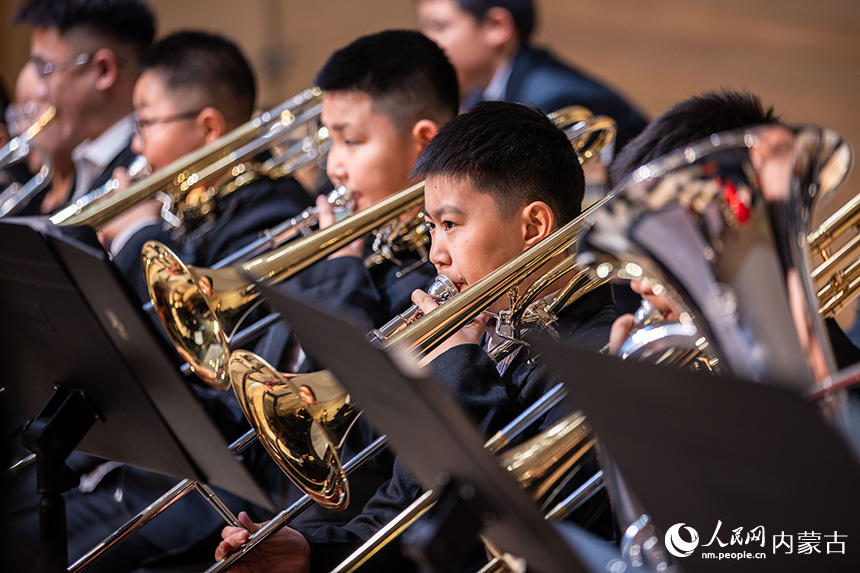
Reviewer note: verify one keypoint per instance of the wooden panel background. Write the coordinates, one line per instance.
(803, 57)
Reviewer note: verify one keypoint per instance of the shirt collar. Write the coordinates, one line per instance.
(495, 90)
(102, 150)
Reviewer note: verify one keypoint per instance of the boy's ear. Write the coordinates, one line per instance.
(213, 123)
(538, 222)
(498, 26)
(423, 131)
(106, 63)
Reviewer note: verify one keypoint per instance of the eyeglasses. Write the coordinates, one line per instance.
(44, 68)
(138, 124)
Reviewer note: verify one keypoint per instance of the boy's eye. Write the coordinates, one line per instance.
(448, 225)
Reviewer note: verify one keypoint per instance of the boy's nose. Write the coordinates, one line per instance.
(137, 144)
(439, 255)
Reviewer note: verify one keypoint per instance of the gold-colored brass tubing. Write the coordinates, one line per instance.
(206, 164)
(201, 325)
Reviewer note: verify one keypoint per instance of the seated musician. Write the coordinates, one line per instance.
(86, 52)
(386, 95)
(195, 87)
(685, 122)
(499, 179)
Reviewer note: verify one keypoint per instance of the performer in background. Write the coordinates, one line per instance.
(86, 52)
(488, 41)
(499, 179)
(386, 95)
(31, 97)
(194, 88)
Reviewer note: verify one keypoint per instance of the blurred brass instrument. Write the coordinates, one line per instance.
(137, 170)
(720, 183)
(202, 317)
(16, 196)
(186, 184)
(836, 277)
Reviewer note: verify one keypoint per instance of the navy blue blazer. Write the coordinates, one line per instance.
(489, 398)
(539, 78)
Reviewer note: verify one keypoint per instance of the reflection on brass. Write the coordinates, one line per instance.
(209, 165)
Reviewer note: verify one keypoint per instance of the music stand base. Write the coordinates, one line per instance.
(53, 435)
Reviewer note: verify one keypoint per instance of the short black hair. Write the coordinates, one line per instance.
(512, 152)
(406, 74)
(522, 12)
(195, 59)
(128, 22)
(688, 121)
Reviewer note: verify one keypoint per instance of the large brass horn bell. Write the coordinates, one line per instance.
(302, 423)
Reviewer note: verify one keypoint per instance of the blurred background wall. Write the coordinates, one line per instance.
(802, 57)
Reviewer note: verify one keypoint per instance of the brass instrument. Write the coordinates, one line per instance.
(303, 420)
(137, 170)
(202, 316)
(181, 181)
(740, 198)
(17, 149)
(301, 224)
(272, 393)
(722, 225)
(836, 277)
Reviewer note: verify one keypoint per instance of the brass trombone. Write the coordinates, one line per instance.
(210, 163)
(420, 337)
(202, 316)
(836, 277)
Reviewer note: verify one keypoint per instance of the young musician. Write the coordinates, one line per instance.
(489, 42)
(86, 54)
(194, 88)
(386, 95)
(499, 179)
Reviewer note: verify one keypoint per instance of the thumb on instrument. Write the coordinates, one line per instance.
(424, 301)
(245, 520)
(325, 212)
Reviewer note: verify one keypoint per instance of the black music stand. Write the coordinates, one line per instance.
(78, 349)
(700, 449)
(434, 438)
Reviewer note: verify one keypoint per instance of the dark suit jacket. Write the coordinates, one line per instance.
(539, 78)
(490, 399)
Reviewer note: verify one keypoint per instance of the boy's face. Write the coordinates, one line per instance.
(470, 236)
(462, 38)
(368, 154)
(70, 88)
(163, 137)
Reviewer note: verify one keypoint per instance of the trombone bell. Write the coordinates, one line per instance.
(200, 308)
(301, 420)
